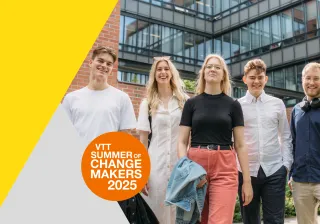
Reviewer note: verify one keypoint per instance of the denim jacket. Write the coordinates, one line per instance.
(182, 191)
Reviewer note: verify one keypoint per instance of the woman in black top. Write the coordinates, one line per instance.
(212, 117)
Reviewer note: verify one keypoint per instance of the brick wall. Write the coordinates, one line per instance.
(109, 36)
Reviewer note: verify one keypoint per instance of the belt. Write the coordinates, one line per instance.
(215, 147)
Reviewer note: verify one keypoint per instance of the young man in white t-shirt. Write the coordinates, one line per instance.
(99, 108)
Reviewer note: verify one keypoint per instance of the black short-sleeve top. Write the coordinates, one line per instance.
(211, 118)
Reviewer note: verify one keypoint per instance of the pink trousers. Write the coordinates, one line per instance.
(222, 177)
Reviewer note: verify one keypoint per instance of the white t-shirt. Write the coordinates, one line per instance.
(94, 112)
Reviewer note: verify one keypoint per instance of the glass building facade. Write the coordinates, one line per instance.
(284, 33)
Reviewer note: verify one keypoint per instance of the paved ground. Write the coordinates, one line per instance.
(289, 221)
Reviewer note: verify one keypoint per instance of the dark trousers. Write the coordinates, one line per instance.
(271, 191)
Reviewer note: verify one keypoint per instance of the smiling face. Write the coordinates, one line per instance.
(255, 82)
(101, 67)
(163, 73)
(311, 83)
(213, 72)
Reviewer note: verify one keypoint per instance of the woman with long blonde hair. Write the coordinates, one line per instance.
(213, 117)
(162, 111)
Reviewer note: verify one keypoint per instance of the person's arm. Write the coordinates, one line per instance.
(128, 120)
(184, 130)
(241, 148)
(242, 153)
(67, 107)
(285, 138)
(293, 133)
(143, 126)
(144, 138)
(183, 141)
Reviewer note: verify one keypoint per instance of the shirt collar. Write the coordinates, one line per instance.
(251, 99)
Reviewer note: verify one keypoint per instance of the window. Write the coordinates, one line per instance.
(156, 2)
(225, 5)
(245, 40)
(155, 37)
(217, 6)
(189, 46)
(200, 7)
(233, 4)
(286, 22)
(235, 47)
(265, 32)
(239, 92)
(121, 32)
(177, 43)
(132, 77)
(278, 79)
(276, 28)
(299, 77)
(311, 18)
(208, 7)
(255, 35)
(130, 36)
(143, 36)
(217, 46)
(318, 3)
(270, 79)
(167, 40)
(291, 81)
(208, 47)
(298, 20)
(226, 45)
(200, 47)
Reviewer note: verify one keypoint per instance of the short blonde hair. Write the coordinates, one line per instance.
(312, 66)
(255, 64)
(225, 83)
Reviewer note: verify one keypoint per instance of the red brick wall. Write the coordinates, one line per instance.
(109, 36)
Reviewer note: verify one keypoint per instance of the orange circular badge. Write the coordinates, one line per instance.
(115, 166)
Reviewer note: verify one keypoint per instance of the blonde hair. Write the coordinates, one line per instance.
(225, 83)
(311, 65)
(255, 64)
(176, 84)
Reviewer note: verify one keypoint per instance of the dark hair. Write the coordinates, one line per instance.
(255, 64)
(107, 50)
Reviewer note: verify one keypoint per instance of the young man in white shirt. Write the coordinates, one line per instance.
(268, 137)
(99, 108)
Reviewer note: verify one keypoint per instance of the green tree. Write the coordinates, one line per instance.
(190, 85)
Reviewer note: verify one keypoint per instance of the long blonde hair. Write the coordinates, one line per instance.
(225, 83)
(176, 84)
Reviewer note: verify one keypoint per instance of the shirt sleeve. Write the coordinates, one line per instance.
(127, 118)
(187, 112)
(285, 137)
(293, 133)
(143, 118)
(67, 107)
(237, 114)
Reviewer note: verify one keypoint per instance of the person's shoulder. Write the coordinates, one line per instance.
(229, 99)
(241, 99)
(144, 102)
(273, 98)
(194, 99)
(76, 93)
(117, 92)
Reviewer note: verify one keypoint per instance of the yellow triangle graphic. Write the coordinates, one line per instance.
(43, 44)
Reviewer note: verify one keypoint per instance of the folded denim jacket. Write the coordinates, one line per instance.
(182, 191)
